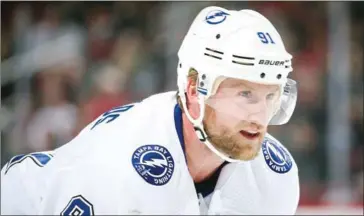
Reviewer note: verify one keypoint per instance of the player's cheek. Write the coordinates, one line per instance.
(227, 120)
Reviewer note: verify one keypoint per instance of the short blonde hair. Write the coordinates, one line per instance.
(192, 75)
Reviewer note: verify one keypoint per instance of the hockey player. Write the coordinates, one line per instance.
(202, 150)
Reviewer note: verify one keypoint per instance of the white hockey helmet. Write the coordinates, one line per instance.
(236, 44)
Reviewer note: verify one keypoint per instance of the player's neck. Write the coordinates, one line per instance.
(201, 161)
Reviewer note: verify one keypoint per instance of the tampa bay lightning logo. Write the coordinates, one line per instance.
(216, 16)
(276, 157)
(154, 164)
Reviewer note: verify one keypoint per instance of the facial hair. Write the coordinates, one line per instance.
(228, 141)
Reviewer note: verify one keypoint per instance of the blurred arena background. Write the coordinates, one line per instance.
(64, 63)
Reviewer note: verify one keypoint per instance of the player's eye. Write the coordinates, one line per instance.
(246, 94)
(270, 96)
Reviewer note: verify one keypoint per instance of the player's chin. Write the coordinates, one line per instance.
(248, 150)
(246, 154)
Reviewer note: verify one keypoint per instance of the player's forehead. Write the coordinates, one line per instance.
(231, 83)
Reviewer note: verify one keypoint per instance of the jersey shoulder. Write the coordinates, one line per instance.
(122, 129)
(106, 159)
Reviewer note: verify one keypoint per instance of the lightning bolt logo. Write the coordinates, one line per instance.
(155, 162)
(217, 14)
(276, 157)
(216, 17)
(275, 151)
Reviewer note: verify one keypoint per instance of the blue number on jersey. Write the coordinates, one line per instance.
(78, 205)
(264, 39)
(39, 158)
(112, 114)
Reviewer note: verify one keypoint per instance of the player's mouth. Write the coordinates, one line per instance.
(250, 134)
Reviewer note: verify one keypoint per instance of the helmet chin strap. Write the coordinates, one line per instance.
(198, 126)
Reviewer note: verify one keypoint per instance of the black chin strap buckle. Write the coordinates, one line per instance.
(200, 134)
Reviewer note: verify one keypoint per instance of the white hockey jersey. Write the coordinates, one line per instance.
(131, 161)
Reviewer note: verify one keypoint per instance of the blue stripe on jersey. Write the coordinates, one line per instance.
(16, 158)
(178, 125)
(39, 158)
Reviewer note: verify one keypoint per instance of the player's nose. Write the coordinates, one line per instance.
(259, 117)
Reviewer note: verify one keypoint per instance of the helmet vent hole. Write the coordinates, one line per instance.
(218, 36)
(262, 75)
(203, 76)
(279, 76)
(202, 84)
(180, 65)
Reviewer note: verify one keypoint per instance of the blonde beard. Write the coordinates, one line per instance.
(226, 142)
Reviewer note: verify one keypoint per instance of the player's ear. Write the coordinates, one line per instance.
(191, 91)
(192, 97)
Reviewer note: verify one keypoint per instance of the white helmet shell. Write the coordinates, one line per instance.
(237, 44)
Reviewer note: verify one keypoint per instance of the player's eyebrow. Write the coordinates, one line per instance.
(232, 83)
(273, 89)
(240, 84)
(247, 86)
